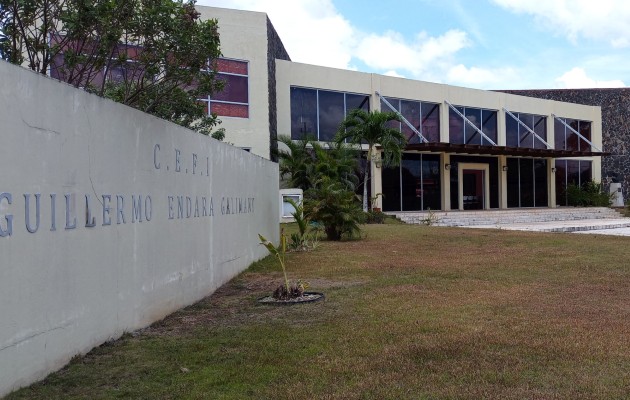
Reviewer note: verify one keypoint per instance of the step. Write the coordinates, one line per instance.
(501, 217)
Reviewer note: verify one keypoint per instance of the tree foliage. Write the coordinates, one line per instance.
(360, 127)
(328, 175)
(304, 162)
(330, 203)
(153, 55)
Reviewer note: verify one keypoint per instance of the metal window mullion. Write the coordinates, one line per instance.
(521, 123)
(400, 186)
(466, 120)
(317, 101)
(576, 132)
(403, 119)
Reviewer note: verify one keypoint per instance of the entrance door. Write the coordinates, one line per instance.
(474, 191)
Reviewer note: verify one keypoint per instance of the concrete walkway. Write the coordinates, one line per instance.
(596, 220)
(607, 226)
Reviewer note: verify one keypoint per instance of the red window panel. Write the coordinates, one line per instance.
(232, 66)
(230, 110)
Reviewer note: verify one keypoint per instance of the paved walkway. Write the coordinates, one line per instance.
(619, 227)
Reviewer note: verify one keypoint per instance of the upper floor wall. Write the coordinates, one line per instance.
(490, 106)
(245, 43)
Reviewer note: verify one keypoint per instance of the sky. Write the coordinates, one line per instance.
(484, 44)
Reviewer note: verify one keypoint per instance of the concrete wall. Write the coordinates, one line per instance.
(111, 219)
(244, 37)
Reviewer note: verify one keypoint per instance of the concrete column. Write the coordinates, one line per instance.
(446, 181)
(551, 183)
(502, 183)
(377, 179)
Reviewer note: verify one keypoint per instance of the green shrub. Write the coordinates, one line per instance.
(590, 194)
(375, 217)
(335, 207)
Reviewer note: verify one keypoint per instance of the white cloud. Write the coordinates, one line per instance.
(393, 74)
(482, 77)
(312, 31)
(391, 51)
(576, 78)
(604, 20)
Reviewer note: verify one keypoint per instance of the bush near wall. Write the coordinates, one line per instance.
(589, 194)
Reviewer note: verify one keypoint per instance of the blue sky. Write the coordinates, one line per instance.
(486, 44)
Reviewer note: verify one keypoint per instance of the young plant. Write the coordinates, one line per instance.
(307, 237)
(279, 253)
(284, 291)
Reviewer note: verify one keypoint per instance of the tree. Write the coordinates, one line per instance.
(330, 203)
(306, 161)
(154, 55)
(371, 127)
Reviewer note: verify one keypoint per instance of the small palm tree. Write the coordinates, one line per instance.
(297, 161)
(371, 127)
(306, 160)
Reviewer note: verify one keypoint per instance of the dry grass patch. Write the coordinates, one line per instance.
(410, 312)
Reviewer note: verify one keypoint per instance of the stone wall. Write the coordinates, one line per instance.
(615, 104)
(110, 219)
(275, 50)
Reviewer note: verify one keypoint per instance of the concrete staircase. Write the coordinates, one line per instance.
(569, 219)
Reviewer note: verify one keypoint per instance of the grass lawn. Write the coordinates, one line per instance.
(411, 312)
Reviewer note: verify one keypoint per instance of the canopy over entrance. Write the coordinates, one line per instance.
(501, 150)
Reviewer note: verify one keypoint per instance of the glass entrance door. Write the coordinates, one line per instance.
(473, 186)
(473, 189)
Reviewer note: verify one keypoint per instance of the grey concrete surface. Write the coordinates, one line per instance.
(110, 219)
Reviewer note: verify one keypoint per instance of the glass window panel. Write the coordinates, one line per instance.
(411, 111)
(586, 174)
(585, 130)
(410, 167)
(331, 113)
(431, 189)
(559, 135)
(431, 122)
(561, 182)
(489, 126)
(540, 127)
(303, 112)
(232, 66)
(573, 172)
(471, 136)
(511, 131)
(229, 109)
(354, 101)
(540, 183)
(526, 166)
(572, 137)
(513, 189)
(455, 127)
(385, 108)
(525, 138)
(391, 189)
(234, 90)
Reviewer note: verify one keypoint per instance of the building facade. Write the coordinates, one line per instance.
(467, 148)
(615, 105)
